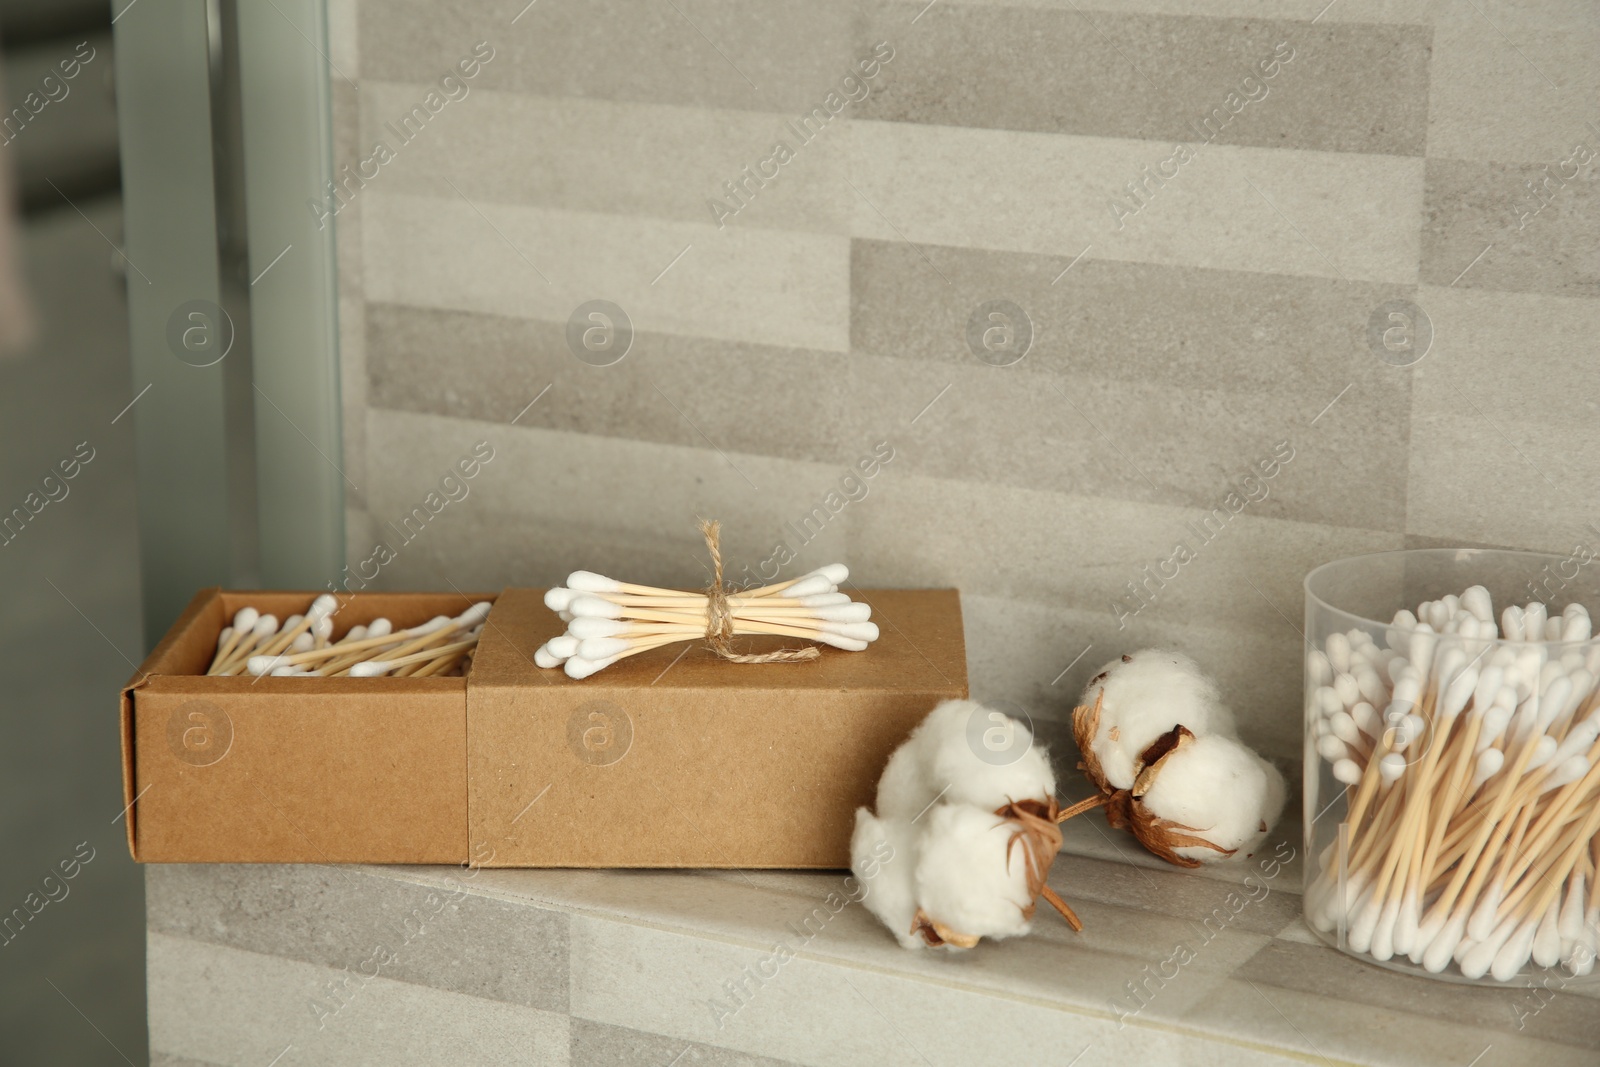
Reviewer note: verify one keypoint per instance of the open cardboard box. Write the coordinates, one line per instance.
(672, 758)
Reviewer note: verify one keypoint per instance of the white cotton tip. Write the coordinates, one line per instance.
(564, 616)
(1367, 720)
(558, 598)
(1514, 954)
(1477, 960)
(1407, 924)
(285, 672)
(835, 573)
(304, 642)
(1406, 691)
(811, 585)
(1565, 773)
(563, 645)
(290, 623)
(849, 644)
(1399, 631)
(1332, 749)
(1486, 916)
(474, 615)
(1349, 692)
(1318, 670)
(266, 626)
(969, 878)
(326, 604)
(1457, 692)
(1476, 599)
(578, 667)
(1338, 648)
(856, 631)
(543, 657)
(590, 582)
(1576, 628)
(824, 600)
(224, 637)
(1143, 696)
(851, 612)
(322, 629)
(1511, 623)
(357, 632)
(1326, 701)
(433, 625)
(1424, 642)
(244, 620)
(1226, 793)
(371, 668)
(1570, 922)
(1490, 760)
(1547, 937)
(1383, 947)
(1495, 721)
(1534, 617)
(883, 858)
(1373, 690)
(1442, 947)
(1555, 701)
(1578, 739)
(1347, 772)
(380, 627)
(1580, 960)
(1363, 921)
(1544, 751)
(1427, 931)
(602, 647)
(1343, 726)
(590, 627)
(594, 608)
(259, 665)
(978, 756)
(1391, 767)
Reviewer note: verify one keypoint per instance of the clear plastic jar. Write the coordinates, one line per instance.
(1452, 770)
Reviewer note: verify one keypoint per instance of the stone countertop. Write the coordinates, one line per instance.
(399, 965)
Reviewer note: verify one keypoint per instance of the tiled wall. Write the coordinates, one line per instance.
(1301, 164)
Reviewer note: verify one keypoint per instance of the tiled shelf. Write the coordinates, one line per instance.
(735, 967)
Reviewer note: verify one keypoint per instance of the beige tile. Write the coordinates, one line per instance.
(533, 514)
(649, 158)
(708, 53)
(764, 286)
(1152, 75)
(1512, 83)
(1501, 445)
(1485, 229)
(1326, 214)
(344, 38)
(225, 1005)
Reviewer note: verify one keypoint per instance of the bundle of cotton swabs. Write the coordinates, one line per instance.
(608, 620)
(1474, 795)
(302, 646)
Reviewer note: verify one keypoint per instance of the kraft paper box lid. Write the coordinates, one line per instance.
(245, 769)
(677, 758)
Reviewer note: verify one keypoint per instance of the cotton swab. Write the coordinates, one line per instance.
(609, 620)
(304, 646)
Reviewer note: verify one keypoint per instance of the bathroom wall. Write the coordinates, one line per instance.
(1220, 385)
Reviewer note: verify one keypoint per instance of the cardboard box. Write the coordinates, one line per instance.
(676, 758)
(293, 770)
(672, 758)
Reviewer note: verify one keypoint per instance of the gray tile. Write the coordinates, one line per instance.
(709, 53)
(217, 1004)
(1153, 76)
(1174, 380)
(1319, 971)
(1484, 228)
(596, 1044)
(340, 916)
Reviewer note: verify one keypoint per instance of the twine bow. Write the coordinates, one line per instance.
(719, 618)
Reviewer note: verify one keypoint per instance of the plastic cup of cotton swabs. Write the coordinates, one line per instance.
(608, 620)
(1452, 746)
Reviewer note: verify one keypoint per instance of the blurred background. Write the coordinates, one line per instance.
(72, 977)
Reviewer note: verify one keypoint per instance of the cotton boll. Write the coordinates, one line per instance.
(1229, 795)
(1143, 696)
(903, 790)
(970, 879)
(1020, 771)
(883, 858)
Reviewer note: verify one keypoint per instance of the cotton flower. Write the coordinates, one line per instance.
(961, 845)
(1158, 743)
(1142, 696)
